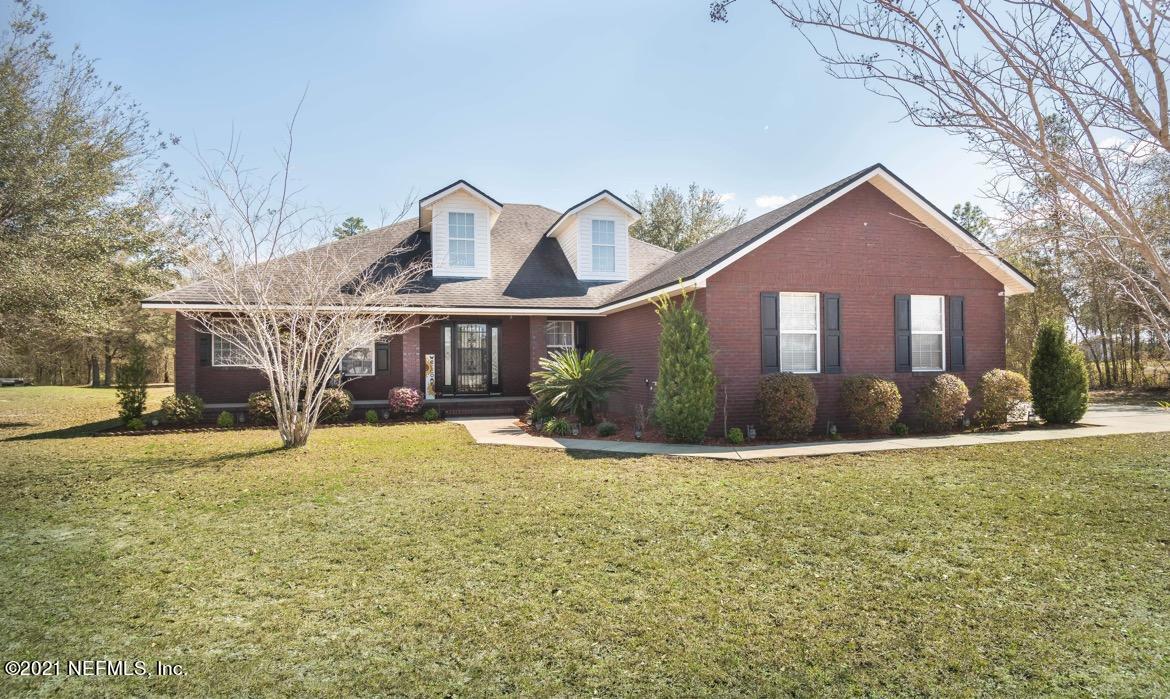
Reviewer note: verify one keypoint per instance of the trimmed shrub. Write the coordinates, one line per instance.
(901, 429)
(336, 405)
(135, 423)
(405, 401)
(605, 428)
(132, 385)
(430, 414)
(371, 417)
(684, 403)
(873, 403)
(182, 408)
(558, 426)
(787, 405)
(941, 402)
(260, 408)
(735, 435)
(1000, 393)
(577, 383)
(225, 419)
(1059, 377)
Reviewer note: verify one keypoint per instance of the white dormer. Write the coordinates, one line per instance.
(459, 218)
(595, 238)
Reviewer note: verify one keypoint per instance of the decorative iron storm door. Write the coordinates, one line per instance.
(471, 359)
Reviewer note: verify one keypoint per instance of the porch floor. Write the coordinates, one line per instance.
(479, 405)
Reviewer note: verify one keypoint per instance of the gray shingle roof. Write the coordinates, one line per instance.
(528, 270)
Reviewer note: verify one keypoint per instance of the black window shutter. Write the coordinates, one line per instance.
(770, 332)
(381, 356)
(581, 335)
(831, 331)
(902, 333)
(956, 342)
(203, 345)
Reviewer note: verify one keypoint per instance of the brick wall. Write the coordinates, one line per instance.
(863, 247)
(633, 336)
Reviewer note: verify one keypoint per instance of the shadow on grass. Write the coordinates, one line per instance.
(156, 465)
(86, 430)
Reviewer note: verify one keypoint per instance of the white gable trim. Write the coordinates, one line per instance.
(603, 195)
(459, 186)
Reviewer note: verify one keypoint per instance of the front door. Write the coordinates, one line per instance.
(472, 361)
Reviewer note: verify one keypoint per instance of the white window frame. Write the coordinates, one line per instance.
(942, 334)
(594, 245)
(780, 322)
(451, 237)
(219, 337)
(548, 327)
(372, 364)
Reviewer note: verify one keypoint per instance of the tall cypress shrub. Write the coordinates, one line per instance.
(685, 402)
(132, 385)
(1059, 377)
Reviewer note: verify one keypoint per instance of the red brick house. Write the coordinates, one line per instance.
(862, 276)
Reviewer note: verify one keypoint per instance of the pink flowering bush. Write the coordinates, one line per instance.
(405, 401)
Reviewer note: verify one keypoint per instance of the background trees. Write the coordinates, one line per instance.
(676, 220)
(81, 188)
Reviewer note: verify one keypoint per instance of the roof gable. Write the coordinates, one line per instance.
(425, 203)
(603, 195)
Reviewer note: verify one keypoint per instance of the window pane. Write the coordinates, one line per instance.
(602, 232)
(926, 351)
(226, 344)
(358, 362)
(558, 334)
(447, 355)
(798, 352)
(461, 225)
(926, 313)
(798, 312)
(603, 258)
(462, 253)
(495, 355)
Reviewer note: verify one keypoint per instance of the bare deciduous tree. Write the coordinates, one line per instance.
(1070, 92)
(291, 311)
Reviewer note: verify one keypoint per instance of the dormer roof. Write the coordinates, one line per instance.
(424, 204)
(603, 195)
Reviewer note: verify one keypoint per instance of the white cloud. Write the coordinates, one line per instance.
(772, 201)
(726, 197)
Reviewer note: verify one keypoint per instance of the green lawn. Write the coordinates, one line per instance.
(407, 560)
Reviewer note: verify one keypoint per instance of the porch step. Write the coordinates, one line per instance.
(474, 407)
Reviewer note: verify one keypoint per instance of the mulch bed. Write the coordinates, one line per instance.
(211, 426)
(655, 434)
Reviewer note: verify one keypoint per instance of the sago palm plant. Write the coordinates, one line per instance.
(575, 383)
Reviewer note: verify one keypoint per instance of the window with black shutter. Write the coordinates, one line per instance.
(956, 342)
(902, 332)
(831, 334)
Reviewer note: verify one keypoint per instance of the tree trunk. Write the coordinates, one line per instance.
(95, 374)
(109, 363)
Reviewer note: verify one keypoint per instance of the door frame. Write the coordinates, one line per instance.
(494, 330)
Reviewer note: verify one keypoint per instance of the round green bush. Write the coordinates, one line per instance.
(1059, 377)
(999, 394)
(225, 419)
(372, 417)
(605, 428)
(135, 423)
(873, 403)
(735, 435)
(260, 408)
(430, 414)
(942, 402)
(182, 408)
(787, 404)
(901, 429)
(336, 405)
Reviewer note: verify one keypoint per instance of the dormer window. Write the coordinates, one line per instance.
(461, 232)
(604, 245)
(595, 237)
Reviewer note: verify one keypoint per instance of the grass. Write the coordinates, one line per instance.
(407, 560)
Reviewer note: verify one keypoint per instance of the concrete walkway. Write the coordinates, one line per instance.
(1098, 422)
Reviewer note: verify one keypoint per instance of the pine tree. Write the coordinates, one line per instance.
(1059, 377)
(132, 385)
(685, 402)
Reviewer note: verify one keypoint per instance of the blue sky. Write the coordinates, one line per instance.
(535, 102)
